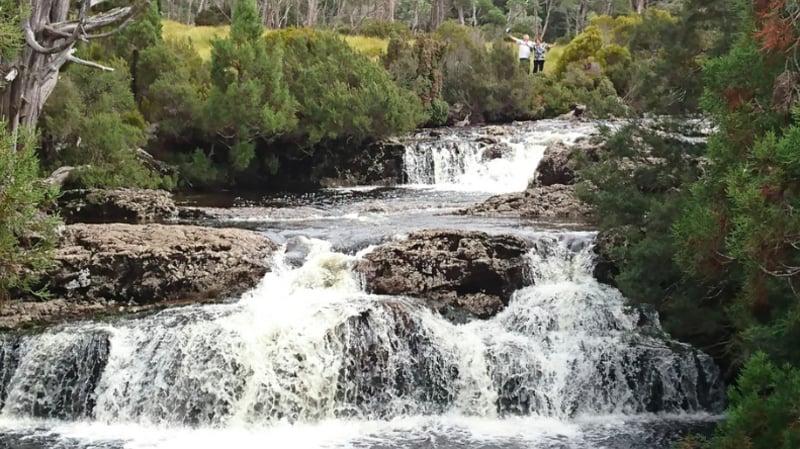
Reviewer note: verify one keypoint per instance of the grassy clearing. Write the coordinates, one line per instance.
(201, 36)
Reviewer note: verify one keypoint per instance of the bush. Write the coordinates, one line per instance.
(385, 30)
(764, 408)
(91, 118)
(27, 234)
(341, 93)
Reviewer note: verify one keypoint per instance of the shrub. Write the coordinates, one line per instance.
(384, 29)
(91, 118)
(342, 95)
(27, 234)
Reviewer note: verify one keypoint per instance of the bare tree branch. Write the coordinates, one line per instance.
(77, 60)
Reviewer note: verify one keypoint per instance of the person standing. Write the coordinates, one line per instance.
(539, 50)
(525, 46)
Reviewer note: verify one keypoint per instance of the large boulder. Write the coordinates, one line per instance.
(555, 167)
(462, 274)
(135, 206)
(380, 164)
(550, 202)
(152, 263)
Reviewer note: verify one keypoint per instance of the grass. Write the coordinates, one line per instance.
(373, 47)
(553, 55)
(201, 36)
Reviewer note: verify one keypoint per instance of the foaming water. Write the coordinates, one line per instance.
(307, 359)
(472, 161)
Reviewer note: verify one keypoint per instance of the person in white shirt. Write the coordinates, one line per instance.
(525, 46)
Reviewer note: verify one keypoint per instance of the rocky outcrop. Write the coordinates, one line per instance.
(102, 267)
(606, 269)
(549, 202)
(557, 165)
(151, 263)
(380, 164)
(135, 206)
(462, 274)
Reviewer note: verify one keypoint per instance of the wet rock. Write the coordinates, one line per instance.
(154, 263)
(555, 167)
(495, 151)
(606, 268)
(297, 251)
(135, 206)
(554, 201)
(576, 111)
(379, 164)
(496, 130)
(452, 271)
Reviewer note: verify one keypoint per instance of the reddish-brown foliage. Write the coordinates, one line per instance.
(776, 30)
(736, 96)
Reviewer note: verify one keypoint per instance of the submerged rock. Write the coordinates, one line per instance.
(135, 206)
(555, 201)
(461, 274)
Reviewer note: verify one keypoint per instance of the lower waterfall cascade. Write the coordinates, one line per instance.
(309, 359)
(308, 345)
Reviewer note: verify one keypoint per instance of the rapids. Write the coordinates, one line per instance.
(307, 359)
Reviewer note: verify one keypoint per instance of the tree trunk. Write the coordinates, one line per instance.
(439, 10)
(549, 4)
(51, 33)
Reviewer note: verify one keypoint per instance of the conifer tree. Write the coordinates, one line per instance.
(249, 99)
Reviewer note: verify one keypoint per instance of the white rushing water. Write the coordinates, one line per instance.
(307, 359)
(308, 349)
(470, 160)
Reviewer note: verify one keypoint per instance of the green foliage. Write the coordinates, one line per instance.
(11, 39)
(27, 234)
(581, 49)
(145, 31)
(174, 83)
(342, 95)
(385, 30)
(249, 98)
(484, 77)
(198, 169)
(637, 189)
(764, 408)
(91, 118)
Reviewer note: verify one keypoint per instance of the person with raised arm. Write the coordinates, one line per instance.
(525, 47)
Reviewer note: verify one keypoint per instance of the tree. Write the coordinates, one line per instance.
(249, 98)
(51, 30)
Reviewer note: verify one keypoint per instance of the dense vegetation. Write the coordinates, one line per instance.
(710, 236)
(705, 233)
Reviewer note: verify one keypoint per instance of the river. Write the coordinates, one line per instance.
(307, 359)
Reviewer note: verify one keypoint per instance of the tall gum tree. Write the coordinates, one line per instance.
(52, 29)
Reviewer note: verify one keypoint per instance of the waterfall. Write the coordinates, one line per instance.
(472, 160)
(308, 345)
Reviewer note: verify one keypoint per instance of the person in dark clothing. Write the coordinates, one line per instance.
(539, 50)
